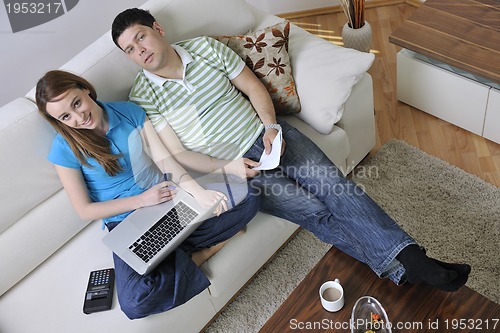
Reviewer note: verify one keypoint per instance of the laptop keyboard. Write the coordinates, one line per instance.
(163, 231)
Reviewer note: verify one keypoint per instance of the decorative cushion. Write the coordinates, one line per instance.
(265, 52)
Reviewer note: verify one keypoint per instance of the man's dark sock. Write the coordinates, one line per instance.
(420, 268)
(463, 271)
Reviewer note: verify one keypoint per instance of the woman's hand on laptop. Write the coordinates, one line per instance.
(159, 193)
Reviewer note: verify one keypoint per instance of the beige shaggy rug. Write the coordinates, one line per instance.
(455, 215)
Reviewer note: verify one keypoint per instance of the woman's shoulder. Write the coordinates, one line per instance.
(59, 140)
(60, 153)
(126, 110)
(60, 145)
(121, 106)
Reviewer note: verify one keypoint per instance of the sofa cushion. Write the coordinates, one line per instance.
(36, 236)
(37, 218)
(103, 56)
(51, 298)
(183, 19)
(231, 267)
(266, 53)
(338, 68)
(24, 160)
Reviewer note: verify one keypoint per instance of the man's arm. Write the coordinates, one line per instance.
(250, 85)
(166, 163)
(195, 161)
(201, 162)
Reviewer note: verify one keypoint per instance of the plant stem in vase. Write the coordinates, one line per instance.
(356, 33)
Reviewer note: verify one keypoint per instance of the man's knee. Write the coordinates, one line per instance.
(252, 203)
(254, 197)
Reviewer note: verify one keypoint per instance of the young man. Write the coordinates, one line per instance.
(193, 93)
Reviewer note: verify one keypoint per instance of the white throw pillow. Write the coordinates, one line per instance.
(324, 74)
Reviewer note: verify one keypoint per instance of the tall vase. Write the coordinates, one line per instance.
(358, 39)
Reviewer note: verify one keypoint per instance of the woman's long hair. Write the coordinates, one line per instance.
(83, 142)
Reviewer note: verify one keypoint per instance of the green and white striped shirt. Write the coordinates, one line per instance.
(205, 109)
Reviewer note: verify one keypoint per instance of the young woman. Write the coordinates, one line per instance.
(102, 156)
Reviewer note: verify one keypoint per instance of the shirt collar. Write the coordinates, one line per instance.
(113, 119)
(186, 58)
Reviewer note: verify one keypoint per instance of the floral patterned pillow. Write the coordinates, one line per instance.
(265, 52)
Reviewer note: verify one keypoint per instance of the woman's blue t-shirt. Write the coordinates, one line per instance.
(138, 173)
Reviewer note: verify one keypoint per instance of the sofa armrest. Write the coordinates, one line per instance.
(358, 121)
(353, 136)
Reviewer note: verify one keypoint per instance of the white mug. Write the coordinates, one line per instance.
(331, 294)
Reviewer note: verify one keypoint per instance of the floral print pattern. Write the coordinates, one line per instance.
(265, 52)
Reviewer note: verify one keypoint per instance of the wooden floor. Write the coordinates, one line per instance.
(396, 120)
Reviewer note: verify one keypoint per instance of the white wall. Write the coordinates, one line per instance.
(26, 55)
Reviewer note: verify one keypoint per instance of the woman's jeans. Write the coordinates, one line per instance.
(309, 190)
(177, 279)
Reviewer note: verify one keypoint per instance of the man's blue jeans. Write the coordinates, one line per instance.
(309, 190)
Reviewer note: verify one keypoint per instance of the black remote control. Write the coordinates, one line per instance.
(99, 295)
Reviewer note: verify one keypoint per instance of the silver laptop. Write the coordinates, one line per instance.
(148, 235)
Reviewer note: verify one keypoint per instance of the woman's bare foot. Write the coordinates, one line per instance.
(201, 256)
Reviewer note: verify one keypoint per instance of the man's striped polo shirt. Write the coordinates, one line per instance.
(205, 109)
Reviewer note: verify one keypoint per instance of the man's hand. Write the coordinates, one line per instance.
(249, 165)
(268, 139)
(242, 168)
(208, 198)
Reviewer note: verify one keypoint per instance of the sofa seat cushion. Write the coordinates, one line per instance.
(35, 237)
(242, 257)
(53, 296)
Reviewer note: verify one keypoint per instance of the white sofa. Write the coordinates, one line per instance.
(48, 252)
